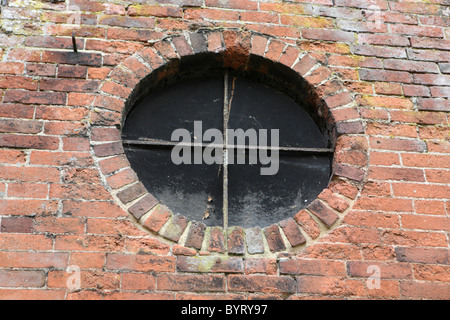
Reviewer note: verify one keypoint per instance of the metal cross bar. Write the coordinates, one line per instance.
(164, 143)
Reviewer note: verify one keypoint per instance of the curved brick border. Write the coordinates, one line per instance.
(303, 228)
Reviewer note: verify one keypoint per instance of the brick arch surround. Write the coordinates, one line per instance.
(334, 102)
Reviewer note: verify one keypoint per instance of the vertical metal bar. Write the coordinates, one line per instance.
(74, 42)
(225, 151)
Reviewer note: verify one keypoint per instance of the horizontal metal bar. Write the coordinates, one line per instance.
(163, 143)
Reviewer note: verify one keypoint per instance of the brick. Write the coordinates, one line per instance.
(195, 235)
(318, 76)
(158, 218)
(384, 158)
(105, 134)
(305, 64)
(387, 270)
(345, 114)
(131, 193)
(372, 219)
(353, 127)
(210, 264)
(28, 190)
(412, 66)
(235, 240)
(216, 241)
(16, 225)
(254, 240)
(274, 239)
(87, 260)
(416, 91)
(383, 39)
(139, 262)
(432, 273)
(292, 232)
(175, 227)
(403, 174)
(432, 79)
(421, 190)
(78, 159)
(22, 278)
(426, 160)
(330, 286)
(261, 265)
(28, 207)
(183, 251)
(29, 142)
(33, 97)
(348, 172)
(380, 51)
(75, 144)
(261, 283)
(420, 31)
(124, 77)
(138, 281)
(59, 225)
(312, 267)
(198, 42)
(17, 259)
(122, 178)
(155, 10)
(334, 200)
(128, 22)
(84, 191)
(417, 290)
(383, 75)
(186, 282)
(112, 46)
(137, 67)
(12, 67)
(328, 35)
(92, 209)
(61, 113)
(105, 118)
(425, 222)
(434, 105)
(108, 149)
(20, 126)
(72, 58)
(385, 204)
(72, 72)
(233, 4)
(398, 144)
(307, 223)
(143, 206)
(422, 255)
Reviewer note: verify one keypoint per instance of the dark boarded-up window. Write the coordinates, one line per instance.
(228, 194)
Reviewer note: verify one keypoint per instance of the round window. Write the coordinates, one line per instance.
(227, 149)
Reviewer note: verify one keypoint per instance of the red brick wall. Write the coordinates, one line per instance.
(71, 208)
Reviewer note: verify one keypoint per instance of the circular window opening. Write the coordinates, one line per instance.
(227, 147)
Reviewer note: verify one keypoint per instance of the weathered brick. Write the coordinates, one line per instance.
(235, 240)
(274, 239)
(186, 282)
(210, 264)
(325, 214)
(261, 283)
(217, 240)
(254, 240)
(143, 206)
(176, 227)
(292, 232)
(34, 97)
(195, 235)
